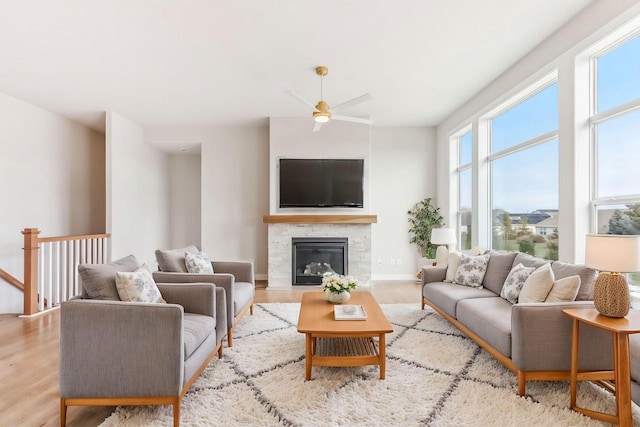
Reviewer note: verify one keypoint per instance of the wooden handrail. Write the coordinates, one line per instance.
(77, 237)
(11, 280)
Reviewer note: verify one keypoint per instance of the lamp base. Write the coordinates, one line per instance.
(442, 256)
(611, 295)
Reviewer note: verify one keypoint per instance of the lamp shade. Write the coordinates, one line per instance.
(443, 236)
(613, 253)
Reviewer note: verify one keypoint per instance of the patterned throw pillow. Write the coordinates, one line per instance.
(514, 282)
(471, 270)
(198, 263)
(138, 286)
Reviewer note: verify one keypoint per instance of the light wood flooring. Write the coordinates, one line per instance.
(29, 359)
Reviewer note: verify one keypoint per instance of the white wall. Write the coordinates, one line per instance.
(52, 173)
(137, 184)
(184, 200)
(403, 172)
(235, 195)
(557, 52)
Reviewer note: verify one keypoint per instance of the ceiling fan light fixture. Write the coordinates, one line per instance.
(321, 117)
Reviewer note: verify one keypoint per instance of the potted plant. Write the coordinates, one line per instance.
(423, 217)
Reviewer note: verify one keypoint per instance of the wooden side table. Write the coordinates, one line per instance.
(621, 328)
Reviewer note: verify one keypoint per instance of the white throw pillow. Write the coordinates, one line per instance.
(198, 263)
(138, 286)
(564, 290)
(452, 266)
(514, 282)
(538, 285)
(471, 270)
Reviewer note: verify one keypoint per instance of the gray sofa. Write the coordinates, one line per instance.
(533, 340)
(129, 353)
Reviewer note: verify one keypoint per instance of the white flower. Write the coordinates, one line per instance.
(337, 283)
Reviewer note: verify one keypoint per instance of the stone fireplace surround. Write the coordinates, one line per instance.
(280, 232)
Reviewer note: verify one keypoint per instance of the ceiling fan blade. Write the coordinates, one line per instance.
(355, 101)
(317, 127)
(352, 119)
(299, 98)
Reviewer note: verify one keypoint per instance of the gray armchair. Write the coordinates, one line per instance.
(236, 277)
(127, 353)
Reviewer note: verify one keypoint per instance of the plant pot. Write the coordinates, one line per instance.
(337, 298)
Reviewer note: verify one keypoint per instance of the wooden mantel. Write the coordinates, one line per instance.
(320, 219)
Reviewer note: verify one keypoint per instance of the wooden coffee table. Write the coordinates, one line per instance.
(331, 342)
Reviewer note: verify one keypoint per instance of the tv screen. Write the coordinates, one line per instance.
(321, 183)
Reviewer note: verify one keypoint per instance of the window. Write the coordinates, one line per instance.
(615, 140)
(464, 191)
(523, 162)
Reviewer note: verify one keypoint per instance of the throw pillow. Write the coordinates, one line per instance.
(514, 282)
(564, 290)
(471, 270)
(537, 286)
(198, 263)
(172, 260)
(138, 286)
(452, 266)
(99, 280)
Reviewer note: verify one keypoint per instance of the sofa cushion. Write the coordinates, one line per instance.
(498, 269)
(452, 265)
(514, 283)
(471, 270)
(172, 260)
(138, 286)
(242, 294)
(196, 328)
(99, 280)
(446, 295)
(529, 260)
(564, 290)
(587, 277)
(538, 285)
(488, 318)
(199, 263)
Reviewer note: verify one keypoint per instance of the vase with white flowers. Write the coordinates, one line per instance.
(337, 287)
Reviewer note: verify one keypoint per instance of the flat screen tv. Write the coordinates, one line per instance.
(321, 183)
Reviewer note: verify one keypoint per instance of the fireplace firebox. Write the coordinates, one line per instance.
(314, 256)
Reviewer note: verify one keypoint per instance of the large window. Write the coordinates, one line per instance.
(615, 138)
(464, 191)
(523, 162)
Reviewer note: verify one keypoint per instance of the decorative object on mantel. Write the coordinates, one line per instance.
(443, 237)
(612, 255)
(337, 287)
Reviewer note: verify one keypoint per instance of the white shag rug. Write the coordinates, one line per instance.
(435, 377)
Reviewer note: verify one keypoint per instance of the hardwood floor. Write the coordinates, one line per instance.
(29, 359)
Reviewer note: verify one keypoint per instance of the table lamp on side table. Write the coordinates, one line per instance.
(612, 255)
(443, 237)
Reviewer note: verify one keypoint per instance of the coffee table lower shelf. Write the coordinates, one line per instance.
(344, 351)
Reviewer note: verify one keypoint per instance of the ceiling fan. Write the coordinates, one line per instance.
(321, 111)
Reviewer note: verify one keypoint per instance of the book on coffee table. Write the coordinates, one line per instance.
(349, 312)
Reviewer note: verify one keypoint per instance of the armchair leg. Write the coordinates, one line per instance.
(176, 413)
(220, 352)
(522, 383)
(63, 413)
(229, 337)
(251, 309)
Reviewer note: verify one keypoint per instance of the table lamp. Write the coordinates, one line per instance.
(612, 255)
(443, 237)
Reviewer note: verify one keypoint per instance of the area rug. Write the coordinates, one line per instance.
(435, 377)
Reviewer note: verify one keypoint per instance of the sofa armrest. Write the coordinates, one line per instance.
(222, 280)
(197, 298)
(241, 270)
(541, 339)
(433, 274)
(221, 313)
(120, 349)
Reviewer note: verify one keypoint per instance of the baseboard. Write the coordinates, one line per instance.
(391, 277)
